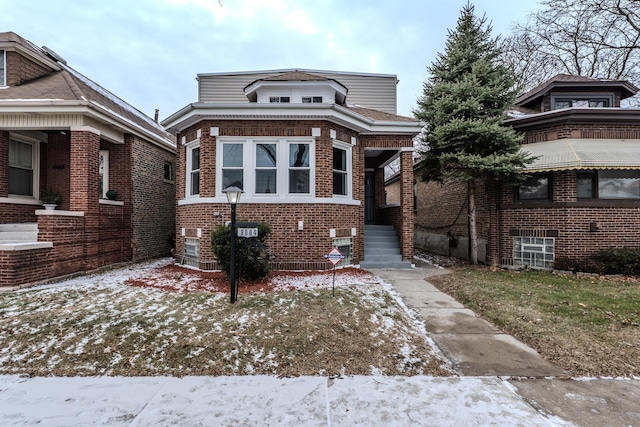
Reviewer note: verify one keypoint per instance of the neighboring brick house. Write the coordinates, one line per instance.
(61, 131)
(583, 193)
(308, 148)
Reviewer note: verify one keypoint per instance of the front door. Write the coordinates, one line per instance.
(369, 196)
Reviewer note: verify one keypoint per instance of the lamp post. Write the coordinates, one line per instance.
(233, 196)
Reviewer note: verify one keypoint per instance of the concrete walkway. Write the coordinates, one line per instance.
(477, 348)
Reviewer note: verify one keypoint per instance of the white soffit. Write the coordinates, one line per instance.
(565, 154)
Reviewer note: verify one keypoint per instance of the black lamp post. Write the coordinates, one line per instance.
(233, 196)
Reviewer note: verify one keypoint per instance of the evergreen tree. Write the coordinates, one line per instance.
(463, 105)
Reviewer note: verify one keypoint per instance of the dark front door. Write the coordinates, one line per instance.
(369, 197)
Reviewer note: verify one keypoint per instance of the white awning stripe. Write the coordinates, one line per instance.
(566, 154)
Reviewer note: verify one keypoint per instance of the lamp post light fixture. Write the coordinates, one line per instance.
(233, 197)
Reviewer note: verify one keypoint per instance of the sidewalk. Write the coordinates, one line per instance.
(265, 401)
(477, 348)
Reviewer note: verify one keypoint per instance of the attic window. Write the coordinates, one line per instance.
(3, 79)
(312, 100)
(279, 99)
(583, 101)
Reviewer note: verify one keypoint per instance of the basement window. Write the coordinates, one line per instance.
(345, 246)
(537, 252)
(191, 252)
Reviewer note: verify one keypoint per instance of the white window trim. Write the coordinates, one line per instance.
(348, 148)
(35, 164)
(105, 175)
(188, 148)
(282, 174)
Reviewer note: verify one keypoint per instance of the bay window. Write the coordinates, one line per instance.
(266, 166)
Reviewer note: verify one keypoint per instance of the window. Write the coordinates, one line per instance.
(345, 246)
(169, 172)
(103, 172)
(191, 252)
(3, 71)
(558, 102)
(609, 184)
(533, 251)
(341, 169)
(536, 187)
(266, 168)
(279, 99)
(585, 182)
(193, 169)
(299, 168)
(232, 162)
(22, 158)
(312, 100)
(619, 184)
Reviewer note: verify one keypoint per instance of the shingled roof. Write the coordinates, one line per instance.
(571, 81)
(67, 84)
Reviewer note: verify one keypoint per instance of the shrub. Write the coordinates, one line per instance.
(252, 258)
(620, 260)
(579, 265)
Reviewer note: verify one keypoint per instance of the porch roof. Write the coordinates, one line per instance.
(567, 154)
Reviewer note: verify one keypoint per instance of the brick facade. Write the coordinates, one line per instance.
(289, 247)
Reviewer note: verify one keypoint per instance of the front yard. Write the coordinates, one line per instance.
(590, 327)
(156, 319)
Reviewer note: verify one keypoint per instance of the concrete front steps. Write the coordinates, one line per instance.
(18, 233)
(381, 248)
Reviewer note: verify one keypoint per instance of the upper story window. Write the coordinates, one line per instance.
(193, 169)
(581, 101)
(609, 184)
(23, 176)
(268, 167)
(3, 68)
(279, 99)
(312, 100)
(536, 187)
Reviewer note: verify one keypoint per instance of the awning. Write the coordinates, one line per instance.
(565, 154)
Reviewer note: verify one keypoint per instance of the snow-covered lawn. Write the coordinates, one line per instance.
(160, 319)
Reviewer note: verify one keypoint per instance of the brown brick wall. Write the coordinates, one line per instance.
(68, 254)
(21, 69)
(55, 172)
(18, 267)
(287, 243)
(583, 130)
(618, 222)
(153, 201)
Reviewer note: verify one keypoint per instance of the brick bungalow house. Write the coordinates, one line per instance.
(62, 132)
(308, 149)
(583, 193)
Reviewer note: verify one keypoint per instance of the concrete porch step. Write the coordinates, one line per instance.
(19, 232)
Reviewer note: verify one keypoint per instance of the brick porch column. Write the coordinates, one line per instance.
(406, 204)
(85, 158)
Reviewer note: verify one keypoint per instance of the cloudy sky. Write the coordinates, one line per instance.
(149, 52)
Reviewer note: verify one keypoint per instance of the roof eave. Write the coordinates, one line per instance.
(196, 112)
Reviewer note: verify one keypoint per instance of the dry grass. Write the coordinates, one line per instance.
(589, 327)
(106, 327)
